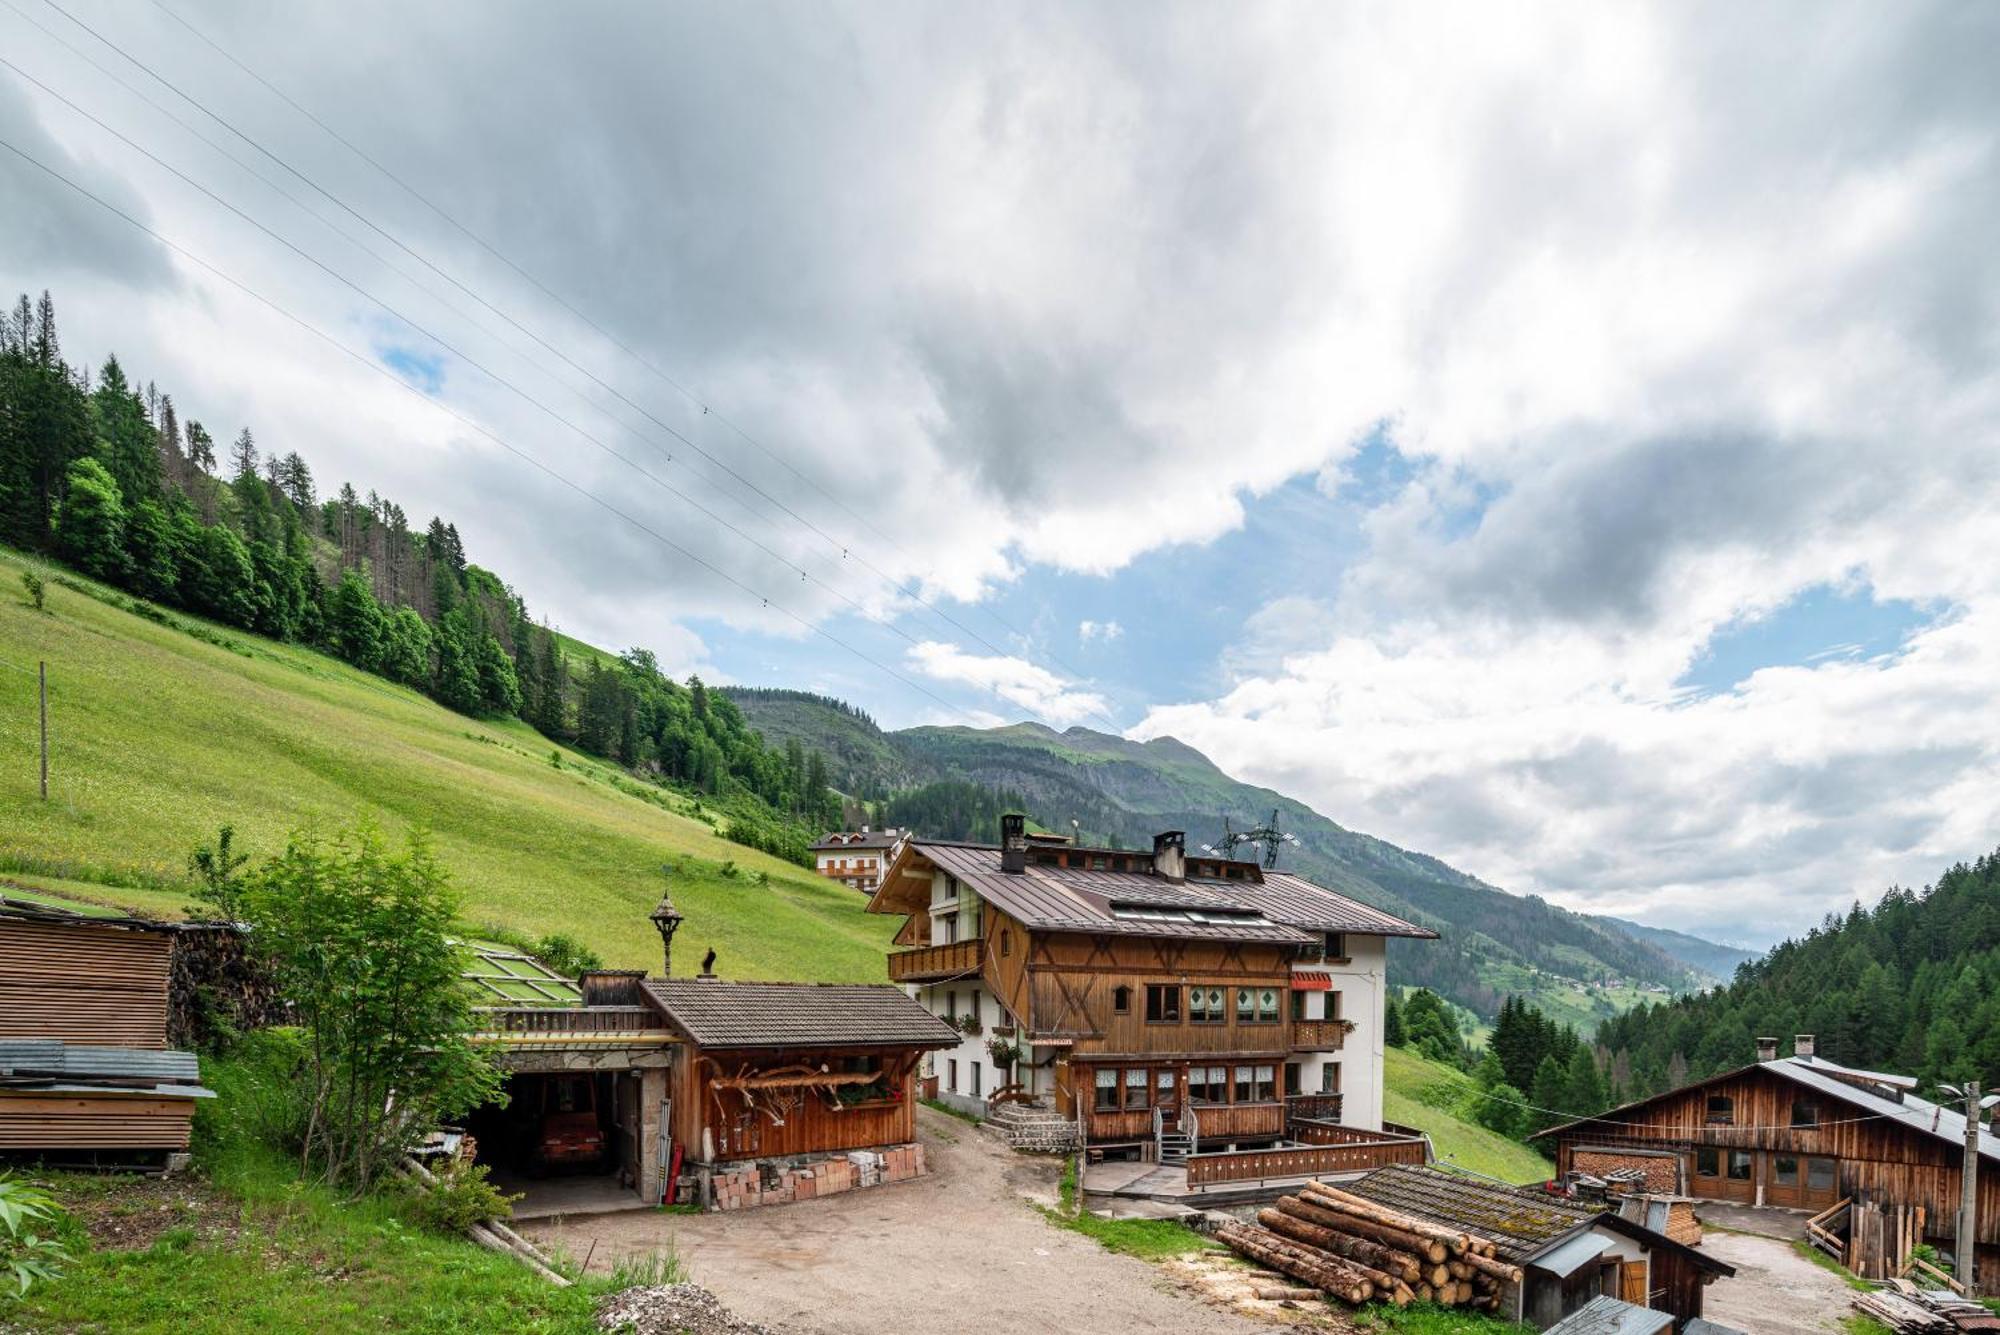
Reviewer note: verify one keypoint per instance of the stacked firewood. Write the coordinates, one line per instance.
(1357, 1251)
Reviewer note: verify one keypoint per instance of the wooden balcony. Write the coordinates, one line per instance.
(1303, 1161)
(927, 964)
(1313, 1107)
(1319, 1035)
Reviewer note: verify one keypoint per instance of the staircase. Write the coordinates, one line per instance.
(1174, 1133)
(1174, 1146)
(1033, 1128)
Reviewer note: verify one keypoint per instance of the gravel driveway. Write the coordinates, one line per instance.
(1775, 1291)
(959, 1249)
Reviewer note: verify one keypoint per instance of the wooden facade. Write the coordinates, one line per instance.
(767, 1102)
(85, 981)
(104, 1120)
(1757, 1137)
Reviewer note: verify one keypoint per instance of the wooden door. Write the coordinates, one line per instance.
(1632, 1283)
(1785, 1180)
(1723, 1175)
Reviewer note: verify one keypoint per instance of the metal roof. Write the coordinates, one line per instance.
(718, 1014)
(1287, 909)
(52, 1065)
(1571, 1255)
(856, 839)
(1605, 1315)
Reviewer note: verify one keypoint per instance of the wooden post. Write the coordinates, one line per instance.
(42, 677)
(1968, 1193)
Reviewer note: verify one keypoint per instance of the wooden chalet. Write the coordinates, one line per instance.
(86, 1075)
(1570, 1252)
(721, 1093)
(1803, 1133)
(1165, 1004)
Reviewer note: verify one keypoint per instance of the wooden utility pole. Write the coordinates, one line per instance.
(1968, 1192)
(42, 674)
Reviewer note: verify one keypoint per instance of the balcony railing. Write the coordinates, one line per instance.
(1319, 1035)
(930, 963)
(1313, 1107)
(1303, 1161)
(512, 1020)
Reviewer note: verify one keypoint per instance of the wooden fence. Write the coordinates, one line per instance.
(1302, 1161)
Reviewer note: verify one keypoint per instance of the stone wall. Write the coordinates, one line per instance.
(742, 1186)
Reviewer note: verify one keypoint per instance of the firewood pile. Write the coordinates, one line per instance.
(1903, 1307)
(1358, 1251)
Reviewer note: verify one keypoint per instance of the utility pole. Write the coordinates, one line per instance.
(1968, 1192)
(42, 675)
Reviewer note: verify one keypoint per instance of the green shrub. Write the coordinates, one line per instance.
(27, 1255)
(37, 591)
(461, 1197)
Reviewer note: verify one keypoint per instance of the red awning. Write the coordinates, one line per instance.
(1312, 982)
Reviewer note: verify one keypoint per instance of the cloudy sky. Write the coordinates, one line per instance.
(1560, 440)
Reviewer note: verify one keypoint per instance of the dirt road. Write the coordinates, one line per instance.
(958, 1250)
(1775, 1290)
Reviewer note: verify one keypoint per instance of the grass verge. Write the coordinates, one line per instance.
(1147, 1239)
(1827, 1263)
(1430, 1319)
(939, 1105)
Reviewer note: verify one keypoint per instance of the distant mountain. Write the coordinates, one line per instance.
(1717, 961)
(1582, 969)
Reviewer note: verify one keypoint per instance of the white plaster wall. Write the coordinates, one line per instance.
(1363, 987)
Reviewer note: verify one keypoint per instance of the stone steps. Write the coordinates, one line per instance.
(1033, 1129)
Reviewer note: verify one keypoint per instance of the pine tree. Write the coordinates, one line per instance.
(1550, 1094)
(243, 456)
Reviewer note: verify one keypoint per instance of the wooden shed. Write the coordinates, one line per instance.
(64, 1102)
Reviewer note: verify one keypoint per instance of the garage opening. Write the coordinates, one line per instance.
(566, 1142)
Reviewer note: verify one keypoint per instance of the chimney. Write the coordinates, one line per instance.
(1170, 855)
(1767, 1049)
(707, 974)
(1014, 843)
(1802, 1046)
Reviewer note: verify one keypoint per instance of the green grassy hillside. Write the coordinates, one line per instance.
(1427, 1095)
(165, 728)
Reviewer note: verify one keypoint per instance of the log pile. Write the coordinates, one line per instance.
(1355, 1250)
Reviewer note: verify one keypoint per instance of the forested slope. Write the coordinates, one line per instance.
(1910, 985)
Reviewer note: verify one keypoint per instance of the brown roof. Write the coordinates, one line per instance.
(1283, 908)
(718, 1014)
(857, 839)
(1521, 1222)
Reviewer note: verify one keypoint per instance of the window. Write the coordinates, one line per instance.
(1246, 1084)
(1266, 1084)
(1163, 1003)
(975, 1079)
(1329, 1078)
(972, 1010)
(1805, 1112)
(1739, 1165)
(1299, 1005)
(1820, 1174)
(1121, 1000)
(1292, 1079)
(1708, 1162)
(949, 922)
(1256, 1005)
(1107, 1089)
(1721, 1109)
(1135, 1087)
(1206, 1084)
(1006, 943)
(951, 1075)
(951, 1005)
(1268, 1003)
(1205, 1005)
(1165, 1080)
(1785, 1170)
(1336, 946)
(1333, 1005)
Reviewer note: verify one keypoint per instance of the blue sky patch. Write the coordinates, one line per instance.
(1821, 623)
(423, 370)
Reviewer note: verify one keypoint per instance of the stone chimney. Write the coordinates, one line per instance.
(1802, 1046)
(1170, 855)
(1767, 1049)
(1014, 843)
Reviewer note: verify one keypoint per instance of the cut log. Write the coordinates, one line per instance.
(1278, 1293)
(1422, 1248)
(1498, 1271)
(1319, 1269)
(1456, 1239)
(1459, 1269)
(1326, 1240)
(1369, 1251)
(493, 1243)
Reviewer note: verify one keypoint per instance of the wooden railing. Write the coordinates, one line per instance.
(931, 962)
(1313, 1107)
(567, 1019)
(1309, 1132)
(1016, 1092)
(1301, 1161)
(1823, 1229)
(1319, 1035)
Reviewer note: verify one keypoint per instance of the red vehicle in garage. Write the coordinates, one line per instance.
(569, 1135)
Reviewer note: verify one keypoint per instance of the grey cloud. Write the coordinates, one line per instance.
(49, 232)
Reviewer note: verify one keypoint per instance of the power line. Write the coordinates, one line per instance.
(441, 342)
(846, 550)
(641, 360)
(472, 425)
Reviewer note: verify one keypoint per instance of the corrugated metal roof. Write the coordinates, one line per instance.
(719, 1014)
(1521, 1222)
(1605, 1315)
(1571, 1255)
(52, 1063)
(1913, 1112)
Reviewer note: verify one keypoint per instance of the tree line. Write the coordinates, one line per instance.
(112, 479)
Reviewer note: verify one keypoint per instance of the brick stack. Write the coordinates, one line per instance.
(803, 1178)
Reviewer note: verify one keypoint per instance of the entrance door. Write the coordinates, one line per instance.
(1785, 1183)
(1723, 1175)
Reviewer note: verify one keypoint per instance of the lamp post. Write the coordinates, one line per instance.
(668, 919)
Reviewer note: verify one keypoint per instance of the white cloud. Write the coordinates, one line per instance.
(1042, 693)
(1088, 630)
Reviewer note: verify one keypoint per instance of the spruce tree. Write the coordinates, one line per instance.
(92, 528)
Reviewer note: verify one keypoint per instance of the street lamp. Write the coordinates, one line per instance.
(668, 919)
